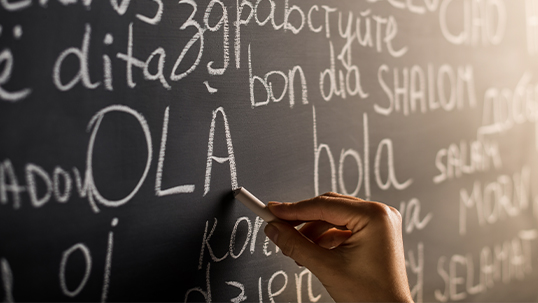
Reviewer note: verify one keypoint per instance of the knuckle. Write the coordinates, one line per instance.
(380, 211)
(330, 193)
(318, 202)
(397, 214)
(386, 215)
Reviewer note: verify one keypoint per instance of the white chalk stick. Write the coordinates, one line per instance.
(254, 204)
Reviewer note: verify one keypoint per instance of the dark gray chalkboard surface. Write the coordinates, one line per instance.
(124, 126)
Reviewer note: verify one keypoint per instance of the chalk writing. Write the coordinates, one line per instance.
(484, 22)
(158, 179)
(289, 88)
(88, 261)
(416, 7)
(508, 196)
(7, 60)
(532, 26)
(415, 264)
(210, 157)
(430, 106)
(466, 158)
(7, 281)
(504, 262)
(415, 91)
(412, 220)
(299, 284)
(385, 144)
(505, 108)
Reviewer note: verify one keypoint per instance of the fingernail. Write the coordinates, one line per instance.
(272, 232)
(272, 203)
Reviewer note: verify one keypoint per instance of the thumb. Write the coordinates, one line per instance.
(296, 246)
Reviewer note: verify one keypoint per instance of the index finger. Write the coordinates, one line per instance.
(335, 209)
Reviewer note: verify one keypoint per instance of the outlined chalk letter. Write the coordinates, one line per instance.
(299, 285)
(88, 260)
(7, 281)
(31, 171)
(158, 179)
(205, 244)
(120, 8)
(95, 123)
(15, 5)
(7, 172)
(83, 72)
(317, 153)
(157, 17)
(7, 57)
(210, 157)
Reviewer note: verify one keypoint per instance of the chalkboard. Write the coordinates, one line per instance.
(125, 125)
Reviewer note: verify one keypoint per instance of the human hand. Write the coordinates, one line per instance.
(354, 247)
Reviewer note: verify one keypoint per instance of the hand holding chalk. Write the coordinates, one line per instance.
(254, 204)
(354, 247)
